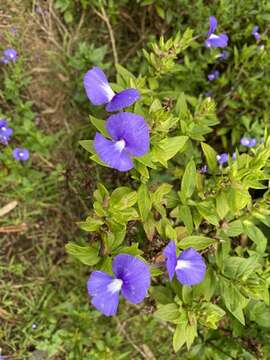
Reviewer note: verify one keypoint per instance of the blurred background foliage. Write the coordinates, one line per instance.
(44, 312)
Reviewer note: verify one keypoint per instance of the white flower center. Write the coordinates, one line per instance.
(109, 92)
(115, 285)
(21, 154)
(213, 36)
(183, 264)
(119, 145)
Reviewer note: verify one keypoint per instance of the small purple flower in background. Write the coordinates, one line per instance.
(131, 278)
(20, 154)
(222, 158)
(234, 156)
(9, 55)
(130, 137)
(213, 40)
(203, 169)
(249, 142)
(223, 55)
(213, 75)
(5, 132)
(99, 92)
(208, 94)
(1, 357)
(255, 33)
(189, 266)
(13, 30)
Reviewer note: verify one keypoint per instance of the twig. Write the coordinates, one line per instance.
(7, 208)
(105, 18)
(13, 228)
(125, 334)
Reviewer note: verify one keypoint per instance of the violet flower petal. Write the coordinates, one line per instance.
(170, 254)
(190, 268)
(132, 129)
(97, 87)
(20, 154)
(212, 25)
(123, 99)
(112, 153)
(215, 41)
(105, 296)
(135, 275)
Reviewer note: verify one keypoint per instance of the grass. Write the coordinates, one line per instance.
(44, 308)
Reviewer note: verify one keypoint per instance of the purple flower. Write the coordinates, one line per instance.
(20, 154)
(99, 92)
(9, 55)
(5, 132)
(189, 266)
(255, 33)
(203, 169)
(213, 40)
(222, 158)
(213, 75)
(131, 278)
(130, 137)
(223, 55)
(249, 142)
(234, 156)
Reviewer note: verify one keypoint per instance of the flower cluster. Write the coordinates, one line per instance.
(5, 134)
(129, 132)
(132, 277)
(245, 141)
(213, 75)
(9, 55)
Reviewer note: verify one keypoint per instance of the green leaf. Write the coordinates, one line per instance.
(196, 241)
(210, 156)
(179, 336)
(90, 224)
(123, 197)
(99, 125)
(260, 313)
(256, 235)
(132, 250)
(212, 315)
(188, 183)
(235, 228)
(186, 216)
(86, 254)
(144, 201)
(171, 146)
(168, 312)
(222, 205)
(87, 145)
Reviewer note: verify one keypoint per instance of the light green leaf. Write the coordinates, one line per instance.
(171, 146)
(144, 201)
(86, 254)
(168, 312)
(256, 235)
(90, 224)
(99, 125)
(188, 183)
(210, 155)
(196, 241)
(179, 336)
(123, 197)
(87, 145)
